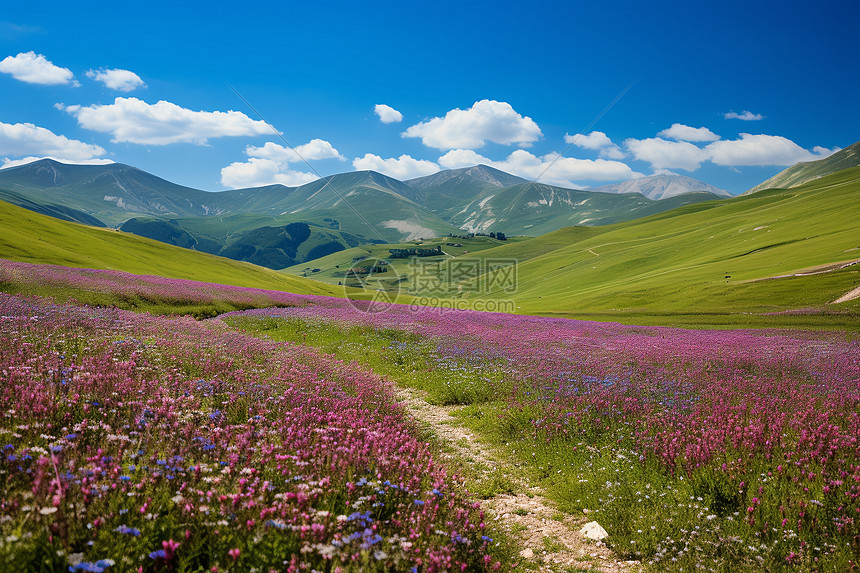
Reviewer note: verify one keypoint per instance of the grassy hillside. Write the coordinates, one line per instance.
(713, 261)
(804, 171)
(30, 237)
(269, 242)
(333, 268)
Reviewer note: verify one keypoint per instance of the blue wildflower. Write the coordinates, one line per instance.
(128, 530)
(97, 567)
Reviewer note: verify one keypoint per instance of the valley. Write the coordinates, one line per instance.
(461, 287)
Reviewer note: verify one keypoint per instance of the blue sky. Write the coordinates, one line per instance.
(510, 84)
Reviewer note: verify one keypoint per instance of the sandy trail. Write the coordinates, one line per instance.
(850, 295)
(549, 538)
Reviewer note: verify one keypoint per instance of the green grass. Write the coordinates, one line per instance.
(405, 357)
(672, 268)
(33, 238)
(331, 268)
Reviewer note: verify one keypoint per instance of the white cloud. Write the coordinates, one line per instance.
(403, 167)
(36, 69)
(745, 116)
(387, 114)
(597, 141)
(25, 160)
(762, 150)
(681, 132)
(120, 80)
(663, 154)
(314, 149)
(486, 120)
(257, 172)
(270, 164)
(34, 142)
(749, 150)
(822, 152)
(457, 158)
(134, 121)
(566, 171)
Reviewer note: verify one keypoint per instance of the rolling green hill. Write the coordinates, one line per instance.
(804, 171)
(715, 258)
(34, 238)
(334, 268)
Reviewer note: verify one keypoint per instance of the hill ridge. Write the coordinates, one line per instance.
(806, 171)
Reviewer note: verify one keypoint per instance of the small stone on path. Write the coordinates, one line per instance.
(593, 530)
(527, 553)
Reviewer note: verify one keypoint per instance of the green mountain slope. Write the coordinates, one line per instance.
(111, 193)
(479, 175)
(483, 199)
(34, 238)
(808, 170)
(364, 203)
(727, 256)
(534, 209)
(272, 242)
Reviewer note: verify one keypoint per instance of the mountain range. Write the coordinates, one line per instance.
(482, 199)
(278, 226)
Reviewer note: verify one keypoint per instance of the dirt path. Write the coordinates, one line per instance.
(549, 539)
(823, 269)
(850, 295)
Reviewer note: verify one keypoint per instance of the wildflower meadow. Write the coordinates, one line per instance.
(714, 450)
(272, 439)
(133, 442)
